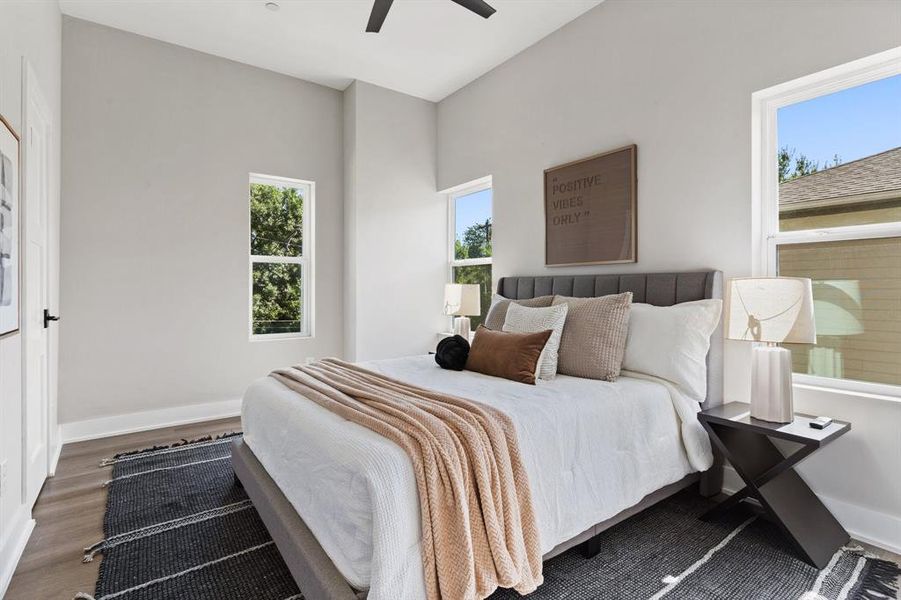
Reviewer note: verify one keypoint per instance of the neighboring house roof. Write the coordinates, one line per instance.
(869, 179)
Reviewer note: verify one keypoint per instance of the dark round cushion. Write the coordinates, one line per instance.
(452, 353)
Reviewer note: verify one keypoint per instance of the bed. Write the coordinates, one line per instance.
(340, 501)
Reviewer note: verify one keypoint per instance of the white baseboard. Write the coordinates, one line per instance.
(864, 524)
(91, 429)
(11, 560)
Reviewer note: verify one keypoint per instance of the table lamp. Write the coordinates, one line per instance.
(773, 310)
(462, 300)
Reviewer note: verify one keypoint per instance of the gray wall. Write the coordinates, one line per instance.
(395, 224)
(676, 78)
(30, 30)
(158, 141)
(673, 77)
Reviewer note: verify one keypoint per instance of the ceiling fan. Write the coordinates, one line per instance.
(380, 11)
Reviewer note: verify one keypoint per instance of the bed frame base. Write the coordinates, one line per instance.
(317, 575)
(589, 541)
(310, 566)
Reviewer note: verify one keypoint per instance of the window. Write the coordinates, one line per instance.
(828, 182)
(281, 246)
(470, 240)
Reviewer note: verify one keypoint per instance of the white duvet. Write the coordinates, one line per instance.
(591, 450)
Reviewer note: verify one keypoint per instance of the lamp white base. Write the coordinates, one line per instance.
(461, 327)
(771, 384)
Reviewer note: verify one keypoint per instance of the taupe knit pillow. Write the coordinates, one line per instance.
(594, 336)
(497, 314)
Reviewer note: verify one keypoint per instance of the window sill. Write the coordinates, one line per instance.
(847, 387)
(277, 337)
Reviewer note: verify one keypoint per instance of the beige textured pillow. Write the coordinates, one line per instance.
(497, 314)
(594, 336)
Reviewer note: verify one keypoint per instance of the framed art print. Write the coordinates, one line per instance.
(9, 228)
(590, 210)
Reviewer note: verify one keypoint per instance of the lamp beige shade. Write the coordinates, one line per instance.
(770, 309)
(462, 299)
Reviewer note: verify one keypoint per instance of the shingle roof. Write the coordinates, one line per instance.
(872, 175)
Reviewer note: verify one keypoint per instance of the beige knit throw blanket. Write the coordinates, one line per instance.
(478, 525)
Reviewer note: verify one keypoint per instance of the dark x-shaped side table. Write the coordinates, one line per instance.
(770, 477)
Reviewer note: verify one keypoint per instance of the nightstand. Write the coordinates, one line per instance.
(770, 477)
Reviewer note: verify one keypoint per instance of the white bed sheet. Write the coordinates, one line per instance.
(591, 449)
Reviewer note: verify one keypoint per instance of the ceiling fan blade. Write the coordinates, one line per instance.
(479, 7)
(378, 14)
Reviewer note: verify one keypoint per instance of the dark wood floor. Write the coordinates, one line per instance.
(69, 513)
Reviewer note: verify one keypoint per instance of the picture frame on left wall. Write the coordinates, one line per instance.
(9, 228)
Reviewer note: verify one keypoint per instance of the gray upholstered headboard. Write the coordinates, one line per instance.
(659, 289)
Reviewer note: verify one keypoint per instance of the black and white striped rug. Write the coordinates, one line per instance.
(177, 527)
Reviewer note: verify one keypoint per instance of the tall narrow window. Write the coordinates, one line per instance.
(470, 240)
(832, 212)
(280, 257)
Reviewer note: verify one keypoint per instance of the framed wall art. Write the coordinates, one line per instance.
(590, 210)
(9, 228)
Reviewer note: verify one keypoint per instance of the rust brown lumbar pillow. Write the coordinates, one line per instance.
(594, 336)
(497, 314)
(505, 354)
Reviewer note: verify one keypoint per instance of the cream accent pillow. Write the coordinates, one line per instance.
(671, 342)
(497, 314)
(522, 319)
(594, 336)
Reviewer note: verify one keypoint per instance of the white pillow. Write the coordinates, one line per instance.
(522, 319)
(671, 342)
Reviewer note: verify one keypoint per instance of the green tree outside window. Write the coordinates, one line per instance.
(276, 230)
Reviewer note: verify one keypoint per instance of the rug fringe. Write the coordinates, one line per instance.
(106, 462)
(880, 581)
(90, 551)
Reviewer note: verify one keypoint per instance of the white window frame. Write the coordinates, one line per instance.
(452, 194)
(307, 265)
(766, 237)
(471, 187)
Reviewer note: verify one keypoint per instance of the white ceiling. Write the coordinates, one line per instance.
(427, 48)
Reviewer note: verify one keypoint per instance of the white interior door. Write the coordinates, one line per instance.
(35, 276)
